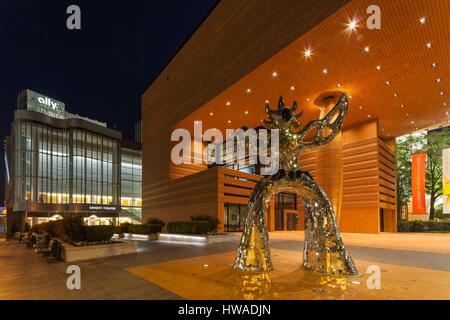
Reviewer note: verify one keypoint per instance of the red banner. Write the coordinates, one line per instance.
(419, 205)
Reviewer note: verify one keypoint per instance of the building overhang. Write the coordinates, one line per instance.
(398, 75)
(27, 115)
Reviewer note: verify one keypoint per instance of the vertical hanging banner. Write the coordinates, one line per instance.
(418, 183)
(446, 179)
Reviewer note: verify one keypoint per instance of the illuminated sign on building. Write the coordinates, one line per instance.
(102, 208)
(34, 101)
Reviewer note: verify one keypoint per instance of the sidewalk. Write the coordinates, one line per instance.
(27, 276)
(423, 242)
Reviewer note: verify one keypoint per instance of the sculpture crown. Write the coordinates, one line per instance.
(283, 117)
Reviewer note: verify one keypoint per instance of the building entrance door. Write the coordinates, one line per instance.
(284, 201)
(291, 218)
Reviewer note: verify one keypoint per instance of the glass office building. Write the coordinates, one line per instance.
(131, 179)
(58, 166)
(62, 164)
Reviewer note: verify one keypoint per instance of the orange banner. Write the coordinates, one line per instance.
(419, 205)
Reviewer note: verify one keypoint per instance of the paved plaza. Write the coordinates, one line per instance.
(413, 266)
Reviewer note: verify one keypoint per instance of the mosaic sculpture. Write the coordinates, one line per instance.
(324, 250)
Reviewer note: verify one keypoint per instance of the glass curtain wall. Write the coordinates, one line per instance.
(235, 215)
(131, 184)
(95, 169)
(59, 166)
(283, 200)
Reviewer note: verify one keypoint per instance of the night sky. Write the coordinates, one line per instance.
(99, 71)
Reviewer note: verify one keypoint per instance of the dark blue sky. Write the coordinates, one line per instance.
(99, 71)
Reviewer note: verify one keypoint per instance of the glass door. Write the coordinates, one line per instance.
(292, 221)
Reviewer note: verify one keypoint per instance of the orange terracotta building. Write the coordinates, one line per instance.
(248, 52)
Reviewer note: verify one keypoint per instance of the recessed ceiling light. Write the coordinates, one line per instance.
(262, 120)
(307, 53)
(369, 116)
(352, 25)
(412, 122)
(378, 68)
(228, 103)
(246, 112)
(366, 49)
(308, 99)
(292, 88)
(402, 106)
(211, 113)
(444, 104)
(350, 97)
(267, 101)
(325, 71)
(360, 107)
(229, 121)
(441, 93)
(407, 114)
(395, 95)
(274, 74)
(438, 80)
(434, 65)
(422, 20)
(446, 113)
(338, 85)
(429, 45)
(387, 83)
(249, 90)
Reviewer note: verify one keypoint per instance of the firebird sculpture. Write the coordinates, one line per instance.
(324, 250)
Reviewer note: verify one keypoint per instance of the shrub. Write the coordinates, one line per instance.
(73, 230)
(118, 229)
(40, 228)
(73, 227)
(190, 227)
(201, 217)
(419, 226)
(404, 226)
(145, 228)
(125, 227)
(156, 221)
(60, 229)
(423, 226)
(98, 233)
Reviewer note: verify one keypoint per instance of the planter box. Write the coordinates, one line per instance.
(72, 253)
(194, 239)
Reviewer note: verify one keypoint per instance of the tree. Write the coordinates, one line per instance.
(405, 148)
(432, 144)
(436, 142)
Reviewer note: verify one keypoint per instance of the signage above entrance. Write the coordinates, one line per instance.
(102, 208)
